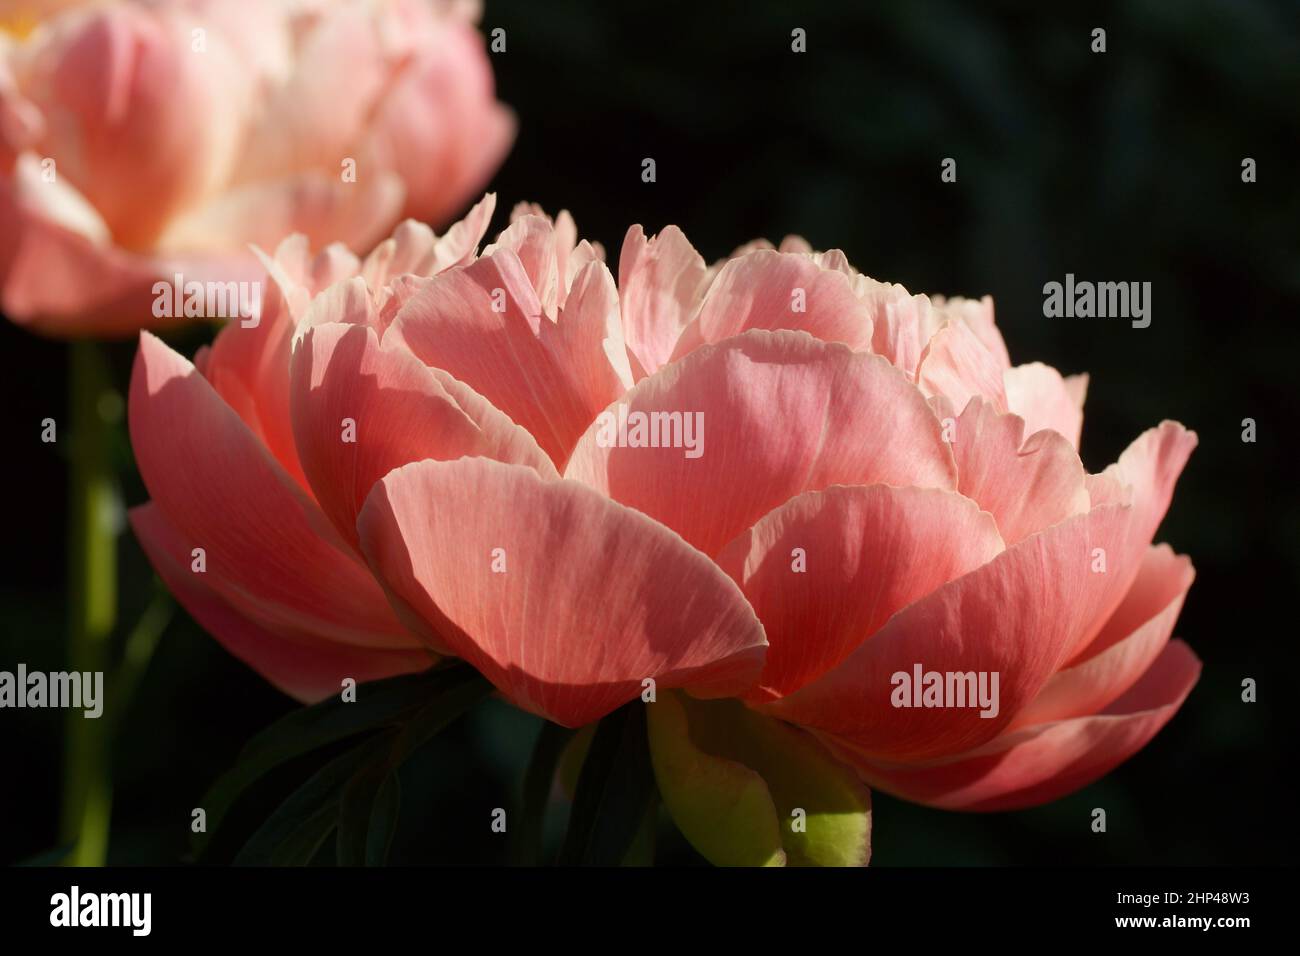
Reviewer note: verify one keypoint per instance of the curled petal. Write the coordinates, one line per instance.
(1038, 764)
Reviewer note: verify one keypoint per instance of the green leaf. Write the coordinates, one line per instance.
(383, 820)
(370, 800)
(295, 831)
(358, 805)
(614, 790)
(748, 790)
(415, 706)
(552, 744)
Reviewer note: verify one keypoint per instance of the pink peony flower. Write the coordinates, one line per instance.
(774, 479)
(140, 141)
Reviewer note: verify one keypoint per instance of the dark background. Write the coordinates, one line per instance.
(1122, 166)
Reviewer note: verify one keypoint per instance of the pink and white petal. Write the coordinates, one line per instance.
(591, 333)
(1038, 764)
(1128, 644)
(142, 126)
(661, 281)
(317, 204)
(901, 323)
(60, 275)
(587, 598)
(1027, 484)
(413, 249)
(785, 413)
(1016, 617)
(532, 239)
(827, 569)
(398, 411)
(977, 315)
(269, 550)
(439, 126)
(314, 115)
(459, 244)
(1044, 399)
(302, 664)
(956, 365)
(779, 290)
(551, 378)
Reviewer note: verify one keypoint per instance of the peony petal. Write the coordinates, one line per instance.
(977, 315)
(269, 550)
(1144, 477)
(565, 600)
(314, 116)
(778, 290)
(1038, 394)
(1027, 484)
(314, 203)
(1135, 634)
(785, 413)
(661, 281)
(359, 411)
(956, 365)
(1039, 764)
(532, 239)
(747, 790)
(901, 322)
(141, 125)
(59, 275)
(439, 126)
(550, 377)
(299, 663)
(863, 553)
(1015, 617)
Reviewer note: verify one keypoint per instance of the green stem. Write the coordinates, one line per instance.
(92, 598)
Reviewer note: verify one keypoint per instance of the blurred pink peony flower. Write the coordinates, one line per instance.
(856, 485)
(144, 140)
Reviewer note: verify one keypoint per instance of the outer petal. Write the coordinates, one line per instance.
(1042, 763)
(1027, 484)
(1144, 477)
(1038, 394)
(400, 411)
(269, 550)
(782, 413)
(1015, 617)
(297, 662)
(60, 274)
(660, 281)
(587, 598)
(825, 570)
(1131, 640)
